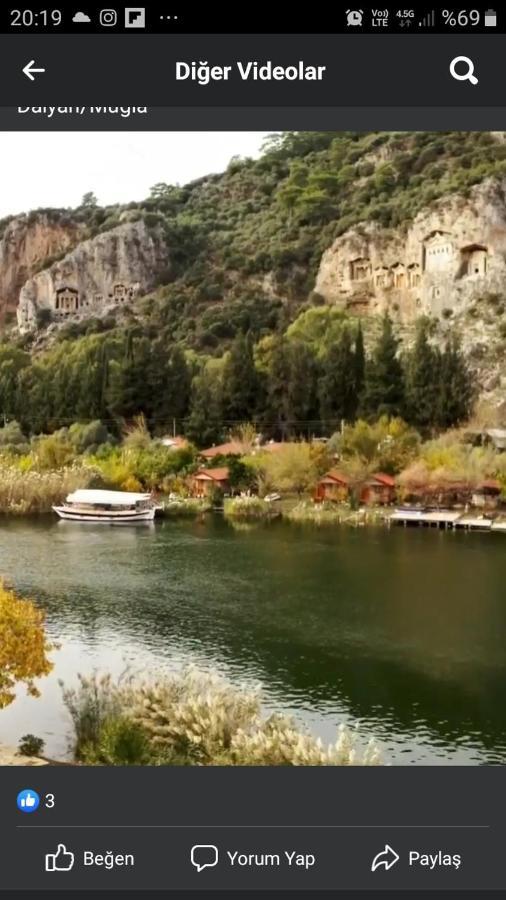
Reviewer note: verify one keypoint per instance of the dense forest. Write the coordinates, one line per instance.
(286, 385)
(234, 332)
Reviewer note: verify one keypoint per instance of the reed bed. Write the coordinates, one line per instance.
(184, 507)
(193, 718)
(36, 492)
(318, 513)
(249, 508)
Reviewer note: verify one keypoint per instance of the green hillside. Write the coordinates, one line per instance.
(268, 221)
(275, 216)
(245, 246)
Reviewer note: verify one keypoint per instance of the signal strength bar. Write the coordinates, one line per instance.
(429, 20)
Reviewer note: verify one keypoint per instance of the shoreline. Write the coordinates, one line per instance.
(251, 511)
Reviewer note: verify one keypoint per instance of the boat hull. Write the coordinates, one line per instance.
(106, 518)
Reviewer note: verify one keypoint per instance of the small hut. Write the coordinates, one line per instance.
(333, 486)
(378, 490)
(206, 480)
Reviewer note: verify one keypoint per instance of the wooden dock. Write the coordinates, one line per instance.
(446, 518)
(438, 518)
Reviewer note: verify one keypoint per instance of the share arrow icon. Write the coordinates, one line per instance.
(387, 858)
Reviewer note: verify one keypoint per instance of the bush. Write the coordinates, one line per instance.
(43, 317)
(386, 445)
(316, 513)
(88, 437)
(150, 467)
(30, 745)
(121, 743)
(12, 435)
(51, 452)
(189, 506)
(291, 468)
(194, 719)
(92, 705)
(248, 508)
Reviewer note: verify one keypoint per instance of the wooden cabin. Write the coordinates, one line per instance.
(207, 480)
(333, 486)
(378, 490)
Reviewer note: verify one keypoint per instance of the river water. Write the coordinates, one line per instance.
(401, 632)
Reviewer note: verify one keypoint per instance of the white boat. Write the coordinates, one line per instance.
(109, 507)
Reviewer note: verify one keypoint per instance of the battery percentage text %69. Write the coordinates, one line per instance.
(461, 17)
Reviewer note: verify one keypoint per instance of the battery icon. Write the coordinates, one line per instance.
(490, 18)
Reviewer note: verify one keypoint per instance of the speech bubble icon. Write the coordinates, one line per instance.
(204, 856)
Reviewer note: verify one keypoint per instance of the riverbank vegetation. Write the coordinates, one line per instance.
(249, 507)
(39, 473)
(184, 507)
(318, 513)
(193, 719)
(26, 492)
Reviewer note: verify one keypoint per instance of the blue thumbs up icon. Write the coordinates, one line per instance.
(28, 801)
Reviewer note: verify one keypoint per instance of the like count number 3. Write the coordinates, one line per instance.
(28, 801)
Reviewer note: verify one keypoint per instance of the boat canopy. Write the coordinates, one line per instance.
(106, 498)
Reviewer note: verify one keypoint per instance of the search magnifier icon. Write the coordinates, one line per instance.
(466, 69)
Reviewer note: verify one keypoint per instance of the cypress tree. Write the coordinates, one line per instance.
(291, 401)
(12, 361)
(337, 383)
(359, 366)
(204, 424)
(128, 392)
(301, 402)
(277, 413)
(384, 382)
(455, 386)
(422, 381)
(169, 385)
(240, 381)
(179, 382)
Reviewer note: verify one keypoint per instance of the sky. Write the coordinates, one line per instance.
(56, 169)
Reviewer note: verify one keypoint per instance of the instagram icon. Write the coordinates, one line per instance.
(108, 17)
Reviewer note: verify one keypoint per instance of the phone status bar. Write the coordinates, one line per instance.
(159, 18)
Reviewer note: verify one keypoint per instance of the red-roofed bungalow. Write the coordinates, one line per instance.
(333, 486)
(206, 480)
(378, 490)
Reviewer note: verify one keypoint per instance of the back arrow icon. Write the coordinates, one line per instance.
(387, 858)
(30, 69)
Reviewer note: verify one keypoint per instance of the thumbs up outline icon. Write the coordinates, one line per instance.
(61, 861)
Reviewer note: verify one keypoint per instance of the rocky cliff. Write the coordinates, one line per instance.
(452, 254)
(98, 275)
(411, 223)
(28, 241)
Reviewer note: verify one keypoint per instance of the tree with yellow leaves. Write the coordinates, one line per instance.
(23, 646)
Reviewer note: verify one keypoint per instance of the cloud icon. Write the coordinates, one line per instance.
(81, 18)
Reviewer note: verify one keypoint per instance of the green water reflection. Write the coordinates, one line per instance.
(403, 632)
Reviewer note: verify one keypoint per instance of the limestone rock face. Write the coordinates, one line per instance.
(97, 276)
(28, 241)
(451, 255)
